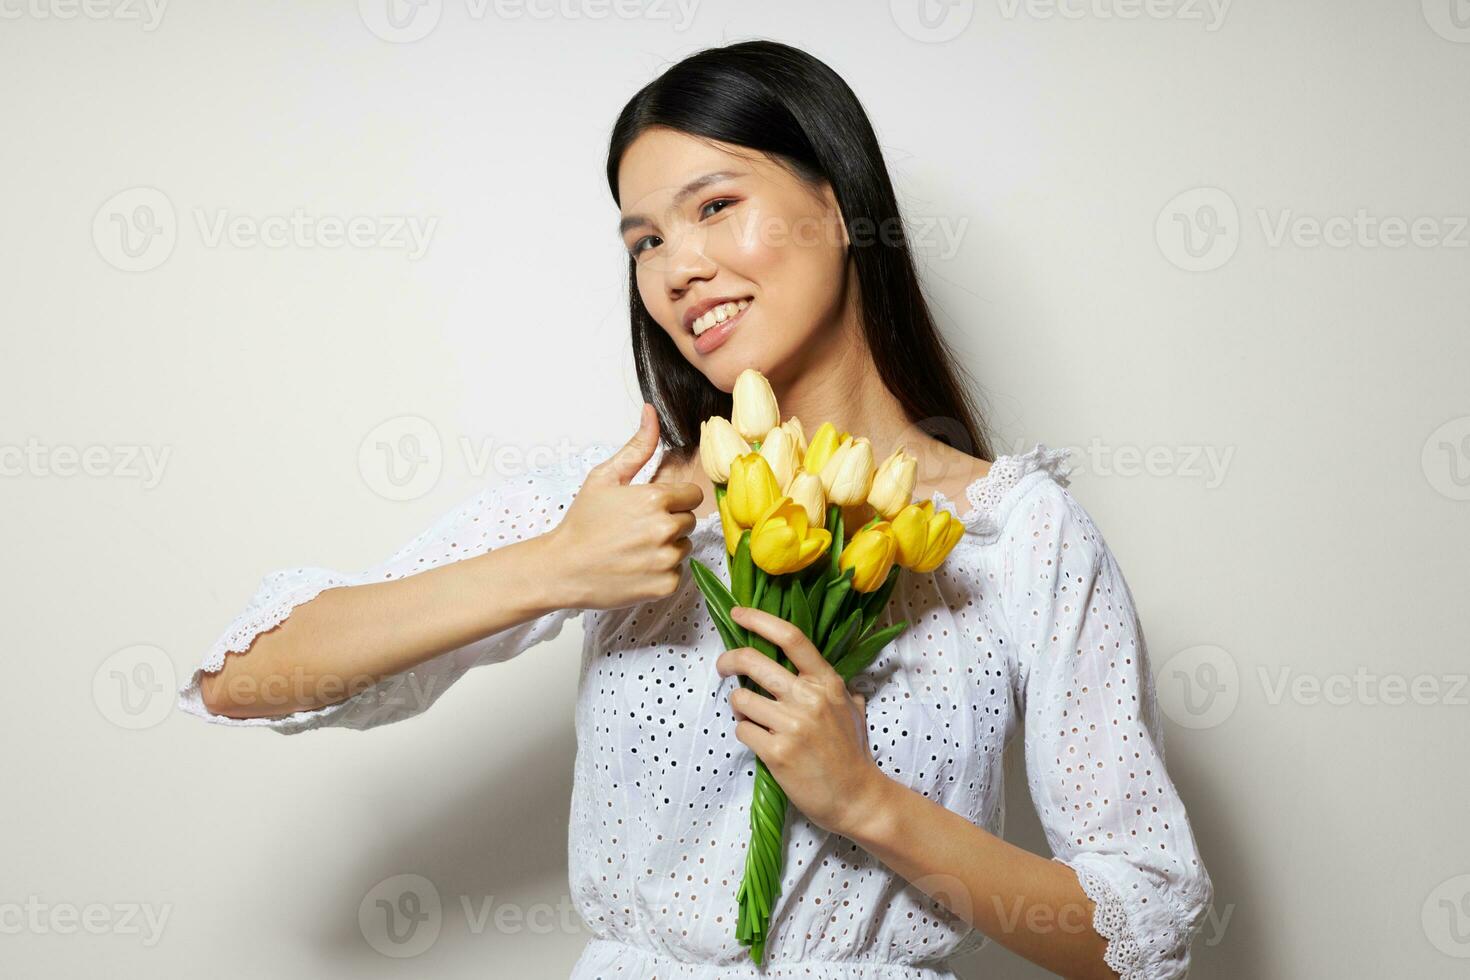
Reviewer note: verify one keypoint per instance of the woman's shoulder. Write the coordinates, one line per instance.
(1012, 483)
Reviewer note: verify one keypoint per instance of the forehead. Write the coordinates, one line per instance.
(661, 161)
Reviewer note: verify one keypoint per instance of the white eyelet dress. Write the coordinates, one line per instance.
(1028, 623)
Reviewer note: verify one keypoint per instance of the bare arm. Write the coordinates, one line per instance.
(1031, 905)
(348, 638)
(616, 544)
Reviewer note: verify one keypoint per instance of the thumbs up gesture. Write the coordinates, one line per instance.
(620, 543)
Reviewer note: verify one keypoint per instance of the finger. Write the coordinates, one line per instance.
(624, 464)
(750, 662)
(766, 712)
(802, 653)
(682, 497)
(760, 741)
(686, 523)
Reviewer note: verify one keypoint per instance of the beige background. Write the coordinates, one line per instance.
(1274, 431)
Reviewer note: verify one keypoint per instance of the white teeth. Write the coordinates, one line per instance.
(718, 314)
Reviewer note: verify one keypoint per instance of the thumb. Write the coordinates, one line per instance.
(624, 464)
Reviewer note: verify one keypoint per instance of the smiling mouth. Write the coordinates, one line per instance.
(717, 315)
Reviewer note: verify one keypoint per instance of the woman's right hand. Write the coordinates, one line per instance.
(619, 544)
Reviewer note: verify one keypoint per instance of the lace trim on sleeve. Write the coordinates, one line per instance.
(1110, 919)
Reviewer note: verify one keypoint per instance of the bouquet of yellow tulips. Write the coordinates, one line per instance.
(784, 506)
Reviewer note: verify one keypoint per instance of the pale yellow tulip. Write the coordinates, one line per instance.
(755, 411)
(806, 489)
(893, 484)
(719, 444)
(848, 475)
(793, 425)
(779, 449)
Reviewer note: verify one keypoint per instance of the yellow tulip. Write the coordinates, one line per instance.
(755, 412)
(848, 475)
(823, 445)
(719, 443)
(729, 525)
(779, 449)
(783, 541)
(806, 489)
(893, 484)
(870, 554)
(925, 536)
(752, 488)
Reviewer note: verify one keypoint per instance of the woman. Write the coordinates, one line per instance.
(763, 232)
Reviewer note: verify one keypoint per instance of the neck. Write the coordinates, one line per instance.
(837, 381)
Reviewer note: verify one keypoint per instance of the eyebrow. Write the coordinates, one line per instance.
(693, 187)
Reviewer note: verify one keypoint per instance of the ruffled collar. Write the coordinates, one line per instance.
(986, 495)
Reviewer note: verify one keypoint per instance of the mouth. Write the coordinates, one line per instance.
(715, 325)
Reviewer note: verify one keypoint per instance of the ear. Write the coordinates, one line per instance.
(830, 197)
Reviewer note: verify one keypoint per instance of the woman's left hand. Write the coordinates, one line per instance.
(812, 734)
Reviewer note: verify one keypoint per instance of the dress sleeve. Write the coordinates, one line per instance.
(512, 511)
(1093, 743)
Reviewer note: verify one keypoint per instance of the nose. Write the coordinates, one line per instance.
(687, 262)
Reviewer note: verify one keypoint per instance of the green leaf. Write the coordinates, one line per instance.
(742, 572)
(771, 603)
(726, 636)
(836, 550)
(842, 638)
(717, 596)
(858, 659)
(832, 604)
(801, 611)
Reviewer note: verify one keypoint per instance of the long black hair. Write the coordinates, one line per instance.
(783, 102)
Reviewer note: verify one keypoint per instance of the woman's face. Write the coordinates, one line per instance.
(716, 222)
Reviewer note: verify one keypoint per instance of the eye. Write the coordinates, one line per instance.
(638, 245)
(722, 200)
